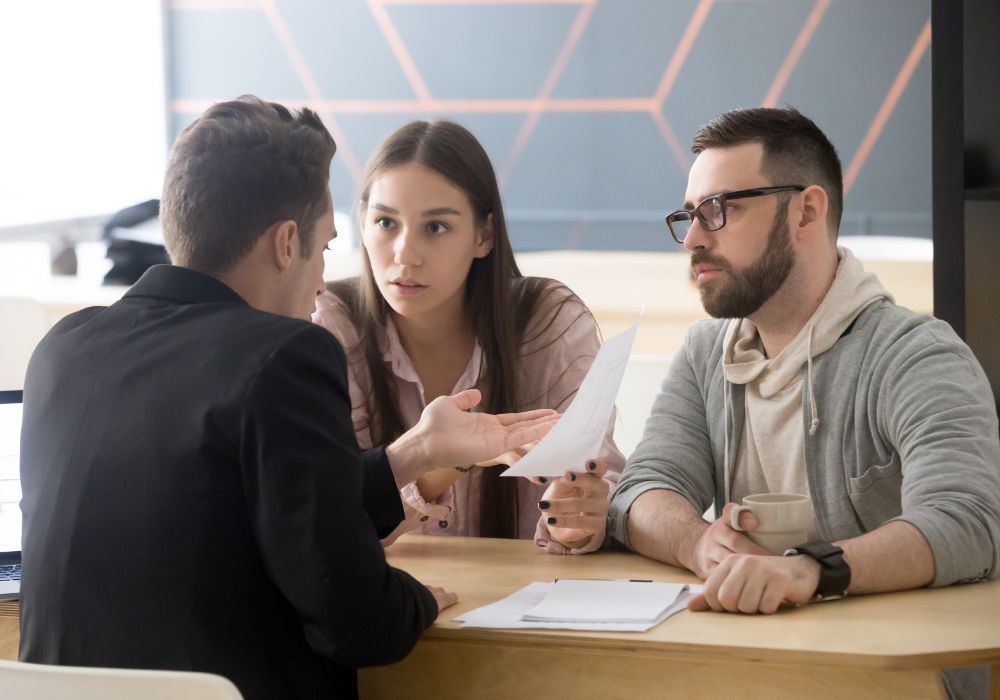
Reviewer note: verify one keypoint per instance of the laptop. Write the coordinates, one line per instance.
(10, 494)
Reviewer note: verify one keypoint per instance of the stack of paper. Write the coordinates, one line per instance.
(612, 606)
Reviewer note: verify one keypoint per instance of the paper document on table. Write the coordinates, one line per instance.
(578, 435)
(581, 600)
(510, 612)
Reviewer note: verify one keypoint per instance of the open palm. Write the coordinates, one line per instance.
(457, 437)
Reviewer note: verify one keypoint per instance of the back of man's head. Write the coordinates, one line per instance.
(241, 167)
(796, 151)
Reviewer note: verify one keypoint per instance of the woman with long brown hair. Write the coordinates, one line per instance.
(440, 306)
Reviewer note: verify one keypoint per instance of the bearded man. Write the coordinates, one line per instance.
(809, 380)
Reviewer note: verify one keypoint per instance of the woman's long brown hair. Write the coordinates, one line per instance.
(500, 301)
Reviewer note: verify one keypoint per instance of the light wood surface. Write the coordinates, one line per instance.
(872, 646)
(886, 646)
(8, 629)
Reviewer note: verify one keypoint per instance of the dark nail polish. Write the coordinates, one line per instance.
(572, 476)
(551, 521)
(543, 479)
(544, 505)
(592, 465)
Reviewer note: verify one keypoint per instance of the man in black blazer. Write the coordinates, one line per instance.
(194, 497)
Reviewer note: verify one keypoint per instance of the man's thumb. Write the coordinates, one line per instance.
(465, 400)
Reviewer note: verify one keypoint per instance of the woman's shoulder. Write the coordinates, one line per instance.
(551, 315)
(335, 311)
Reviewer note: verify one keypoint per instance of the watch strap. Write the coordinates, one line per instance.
(834, 572)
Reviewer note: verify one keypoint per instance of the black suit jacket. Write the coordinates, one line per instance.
(194, 498)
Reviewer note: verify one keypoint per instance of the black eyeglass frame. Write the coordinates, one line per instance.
(690, 214)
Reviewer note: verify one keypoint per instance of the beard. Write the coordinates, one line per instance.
(749, 289)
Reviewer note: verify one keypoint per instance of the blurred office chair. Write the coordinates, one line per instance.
(23, 323)
(135, 242)
(43, 682)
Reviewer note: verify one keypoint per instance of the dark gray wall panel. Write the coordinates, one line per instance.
(601, 174)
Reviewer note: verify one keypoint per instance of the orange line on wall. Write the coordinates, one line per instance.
(548, 85)
(682, 50)
(798, 47)
(577, 234)
(217, 4)
(888, 105)
(310, 85)
(680, 155)
(489, 2)
(470, 106)
(399, 50)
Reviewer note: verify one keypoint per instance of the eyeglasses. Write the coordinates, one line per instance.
(711, 211)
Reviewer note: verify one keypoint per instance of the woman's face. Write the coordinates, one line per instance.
(421, 236)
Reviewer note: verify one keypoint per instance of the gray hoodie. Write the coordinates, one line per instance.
(908, 432)
(771, 458)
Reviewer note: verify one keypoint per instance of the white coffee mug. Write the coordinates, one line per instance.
(783, 519)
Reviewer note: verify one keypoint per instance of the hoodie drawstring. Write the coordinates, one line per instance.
(813, 410)
(726, 471)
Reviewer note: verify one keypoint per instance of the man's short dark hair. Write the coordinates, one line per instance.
(796, 152)
(241, 167)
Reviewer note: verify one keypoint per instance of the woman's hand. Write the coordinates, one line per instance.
(576, 505)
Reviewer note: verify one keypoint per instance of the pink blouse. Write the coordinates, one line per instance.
(554, 363)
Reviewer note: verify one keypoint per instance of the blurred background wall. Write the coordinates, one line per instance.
(587, 107)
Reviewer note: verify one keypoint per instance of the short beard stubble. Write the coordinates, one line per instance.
(750, 289)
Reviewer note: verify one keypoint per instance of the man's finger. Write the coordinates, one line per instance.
(551, 418)
(737, 542)
(698, 603)
(747, 520)
(771, 599)
(729, 592)
(753, 591)
(513, 418)
(466, 400)
(526, 435)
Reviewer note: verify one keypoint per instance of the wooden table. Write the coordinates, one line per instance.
(8, 629)
(884, 646)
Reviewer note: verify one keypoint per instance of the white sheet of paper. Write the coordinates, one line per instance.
(578, 435)
(580, 600)
(507, 613)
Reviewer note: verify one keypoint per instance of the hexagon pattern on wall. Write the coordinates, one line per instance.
(585, 106)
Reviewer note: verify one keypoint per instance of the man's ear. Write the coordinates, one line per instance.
(285, 242)
(484, 237)
(809, 218)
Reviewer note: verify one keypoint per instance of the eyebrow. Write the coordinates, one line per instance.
(429, 212)
(689, 205)
(441, 211)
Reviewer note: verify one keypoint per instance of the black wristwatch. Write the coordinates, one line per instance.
(834, 573)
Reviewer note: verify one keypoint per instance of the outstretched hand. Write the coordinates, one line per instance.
(449, 435)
